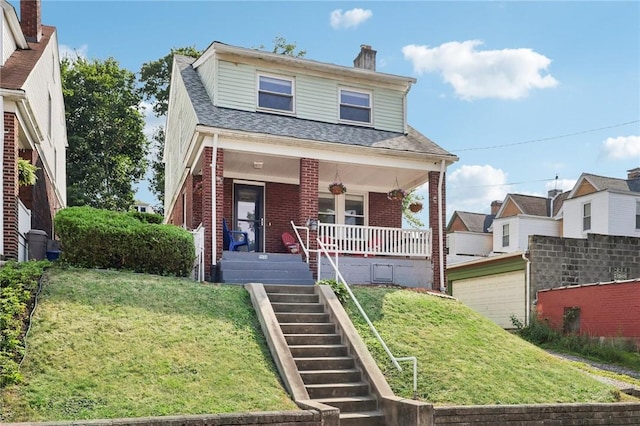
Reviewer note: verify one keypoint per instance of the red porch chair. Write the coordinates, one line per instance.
(290, 243)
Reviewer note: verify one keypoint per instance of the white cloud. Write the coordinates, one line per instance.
(563, 184)
(622, 147)
(73, 52)
(473, 188)
(477, 74)
(350, 18)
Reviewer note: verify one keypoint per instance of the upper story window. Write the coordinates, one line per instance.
(586, 216)
(637, 214)
(505, 235)
(355, 106)
(275, 93)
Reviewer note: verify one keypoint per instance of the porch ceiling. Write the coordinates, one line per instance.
(262, 167)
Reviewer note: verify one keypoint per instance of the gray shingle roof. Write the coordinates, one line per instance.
(532, 205)
(279, 125)
(476, 222)
(603, 183)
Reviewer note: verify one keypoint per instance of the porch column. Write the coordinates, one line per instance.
(10, 186)
(434, 178)
(309, 204)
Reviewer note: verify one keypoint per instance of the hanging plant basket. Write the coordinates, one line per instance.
(26, 173)
(415, 207)
(397, 194)
(337, 188)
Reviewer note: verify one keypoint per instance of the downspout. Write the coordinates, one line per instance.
(214, 213)
(440, 232)
(527, 289)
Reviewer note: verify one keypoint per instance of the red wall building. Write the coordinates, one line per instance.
(599, 310)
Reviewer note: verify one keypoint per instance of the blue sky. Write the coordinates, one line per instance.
(520, 91)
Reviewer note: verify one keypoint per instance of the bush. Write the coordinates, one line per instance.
(93, 238)
(146, 217)
(18, 286)
(338, 289)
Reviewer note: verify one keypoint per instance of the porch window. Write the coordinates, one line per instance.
(343, 209)
(326, 208)
(505, 235)
(275, 93)
(586, 216)
(355, 106)
(354, 210)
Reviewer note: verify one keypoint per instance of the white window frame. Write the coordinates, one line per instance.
(506, 234)
(369, 93)
(586, 218)
(291, 80)
(339, 206)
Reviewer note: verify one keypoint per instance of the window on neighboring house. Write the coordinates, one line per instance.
(275, 93)
(505, 235)
(586, 216)
(637, 214)
(355, 106)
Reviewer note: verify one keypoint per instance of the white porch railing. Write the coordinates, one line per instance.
(24, 226)
(368, 240)
(198, 242)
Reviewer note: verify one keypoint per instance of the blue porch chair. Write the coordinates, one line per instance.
(231, 240)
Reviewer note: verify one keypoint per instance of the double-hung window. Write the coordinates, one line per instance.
(586, 216)
(355, 106)
(505, 235)
(342, 209)
(275, 93)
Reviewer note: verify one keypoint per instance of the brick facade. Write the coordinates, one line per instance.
(281, 208)
(383, 212)
(432, 201)
(606, 310)
(308, 208)
(10, 186)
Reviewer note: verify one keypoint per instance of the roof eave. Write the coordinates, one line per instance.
(14, 25)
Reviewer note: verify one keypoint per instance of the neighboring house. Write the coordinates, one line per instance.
(585, 235)
(256, 138)
(469, 235)
(524, 215)
(603, 205)
(33, 126)
(142, 207)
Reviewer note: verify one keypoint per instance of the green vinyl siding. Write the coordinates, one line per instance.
(388, 110)
(236, 86)
(316, 99)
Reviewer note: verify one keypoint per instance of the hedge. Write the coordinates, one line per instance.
(93, 238)
(18, 286)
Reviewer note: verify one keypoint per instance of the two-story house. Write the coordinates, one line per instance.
(32, 127)
(256, 138)
(469, 235)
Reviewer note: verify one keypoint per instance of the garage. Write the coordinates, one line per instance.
(495, 288)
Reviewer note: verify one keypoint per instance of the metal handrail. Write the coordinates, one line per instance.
(305, 247)
(394, 360)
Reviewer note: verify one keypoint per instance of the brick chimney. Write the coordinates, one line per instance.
(366, 58)
(633, 173)
(495, 206)
(31, 19)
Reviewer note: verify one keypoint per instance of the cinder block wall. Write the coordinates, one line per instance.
(560, 262)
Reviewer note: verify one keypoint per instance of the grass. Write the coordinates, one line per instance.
(463, 358)
(111, 344)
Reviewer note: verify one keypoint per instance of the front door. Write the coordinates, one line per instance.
(249, 213)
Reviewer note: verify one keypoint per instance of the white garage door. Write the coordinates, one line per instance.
(495, 296)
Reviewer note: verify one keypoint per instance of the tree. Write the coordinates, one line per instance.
(282, 47)
(156, 75)
(156, 184)
(107, 146)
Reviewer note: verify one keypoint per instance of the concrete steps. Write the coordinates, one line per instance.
(266, 268)
(329, 373)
